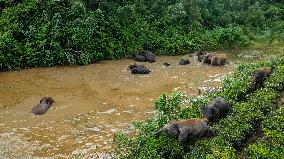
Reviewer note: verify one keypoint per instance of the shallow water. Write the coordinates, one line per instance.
(91, 104)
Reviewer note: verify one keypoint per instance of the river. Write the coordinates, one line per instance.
(92, 103)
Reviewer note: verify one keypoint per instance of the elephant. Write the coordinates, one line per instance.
(138, 69)
(43, 106)
(214, 59)
(184, 62)
(258, 78)
(186, 129)
(145, 56)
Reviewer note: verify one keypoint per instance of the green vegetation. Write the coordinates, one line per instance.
(35, 33)
(231, 133)
(271, 145)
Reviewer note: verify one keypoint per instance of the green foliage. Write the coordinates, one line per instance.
(276, 81)
(271, 145)
(192, 111)
(169, 105)
(65, 32)
(247, 111)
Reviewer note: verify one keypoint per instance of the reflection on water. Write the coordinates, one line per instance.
(91, 104)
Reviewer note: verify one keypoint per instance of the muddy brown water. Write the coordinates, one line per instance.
(92, 103)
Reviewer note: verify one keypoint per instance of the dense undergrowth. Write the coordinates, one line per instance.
(36, 33)
(230, 133)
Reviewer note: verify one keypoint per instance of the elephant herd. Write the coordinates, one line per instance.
(188, 129)
(210, 58)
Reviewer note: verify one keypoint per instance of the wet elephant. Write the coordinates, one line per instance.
(214, 59)
(138, 69)
(43, 106)
(145, 56)
(184, 62)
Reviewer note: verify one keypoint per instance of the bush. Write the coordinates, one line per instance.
(276, 81)
(271, 145)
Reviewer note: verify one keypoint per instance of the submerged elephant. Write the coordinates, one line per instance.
(145, 56)
(150, 57)
(139, 58)
(184, 62)
(138, 69)
(43, 106)
(166, 64)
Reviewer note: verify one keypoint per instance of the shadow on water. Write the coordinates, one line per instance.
(91, 103)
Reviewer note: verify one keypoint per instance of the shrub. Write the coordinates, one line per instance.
(67, 32)
(271, 145)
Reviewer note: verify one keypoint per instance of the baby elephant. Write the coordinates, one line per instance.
(186, 129)
(258, 78)
(138, 69)
(216, 109)
(44, 104)
(184, 62)
(166, 64)
(134, 66)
